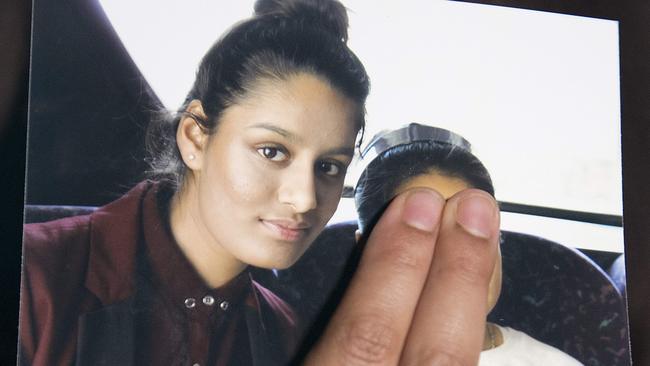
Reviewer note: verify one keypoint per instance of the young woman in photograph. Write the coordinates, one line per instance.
(246, 173)
(420, 156)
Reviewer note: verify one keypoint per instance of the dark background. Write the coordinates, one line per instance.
(113, 87)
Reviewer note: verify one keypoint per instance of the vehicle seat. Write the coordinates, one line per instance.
(561, 297)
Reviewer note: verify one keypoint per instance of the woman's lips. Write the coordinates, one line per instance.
(286, 230)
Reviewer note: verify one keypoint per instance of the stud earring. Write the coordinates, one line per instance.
(191, 157)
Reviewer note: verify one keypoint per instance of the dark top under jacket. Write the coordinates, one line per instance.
(113, 288)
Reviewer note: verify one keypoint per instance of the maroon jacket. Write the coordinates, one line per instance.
(80, 285)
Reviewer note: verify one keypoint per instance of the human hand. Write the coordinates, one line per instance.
(419, 295)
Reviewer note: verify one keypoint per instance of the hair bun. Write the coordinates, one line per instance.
(330, 15)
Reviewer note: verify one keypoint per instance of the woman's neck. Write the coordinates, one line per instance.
(212, 262)
(493, 337)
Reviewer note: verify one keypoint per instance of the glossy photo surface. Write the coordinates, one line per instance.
(537, 95)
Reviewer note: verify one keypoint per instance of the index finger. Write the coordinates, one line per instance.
(372, 321)
(449, 323)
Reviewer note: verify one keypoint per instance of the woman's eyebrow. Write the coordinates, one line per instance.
(279, 130)
(343, 150)
(347, 151)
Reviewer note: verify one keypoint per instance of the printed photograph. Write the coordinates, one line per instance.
(203, 176)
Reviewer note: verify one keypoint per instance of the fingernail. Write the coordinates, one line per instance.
(476, 214)
(422, 210)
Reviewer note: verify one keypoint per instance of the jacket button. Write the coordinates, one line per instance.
(224, 305)
(190, 302)
(208, 300)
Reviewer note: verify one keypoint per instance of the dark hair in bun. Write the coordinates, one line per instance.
(282, 39)
(330, 15)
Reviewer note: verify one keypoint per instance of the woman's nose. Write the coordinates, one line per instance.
(299, 190)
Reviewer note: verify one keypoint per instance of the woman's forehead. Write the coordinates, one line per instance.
(303, 110)
(301, 83)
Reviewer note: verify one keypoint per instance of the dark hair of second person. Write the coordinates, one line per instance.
(379, 181)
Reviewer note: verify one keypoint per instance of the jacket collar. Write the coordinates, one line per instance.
(115, 231)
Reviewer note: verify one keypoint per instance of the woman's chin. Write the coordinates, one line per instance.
(275, 261)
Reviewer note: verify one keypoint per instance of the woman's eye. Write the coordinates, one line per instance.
(272, 153)
(330, 169)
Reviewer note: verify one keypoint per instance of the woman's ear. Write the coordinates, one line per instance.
(191, 137)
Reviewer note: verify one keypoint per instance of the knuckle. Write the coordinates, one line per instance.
(406, 259)
(408, 254)
(367, 341)
(468, 269)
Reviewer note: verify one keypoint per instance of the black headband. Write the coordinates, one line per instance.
(388, 139)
